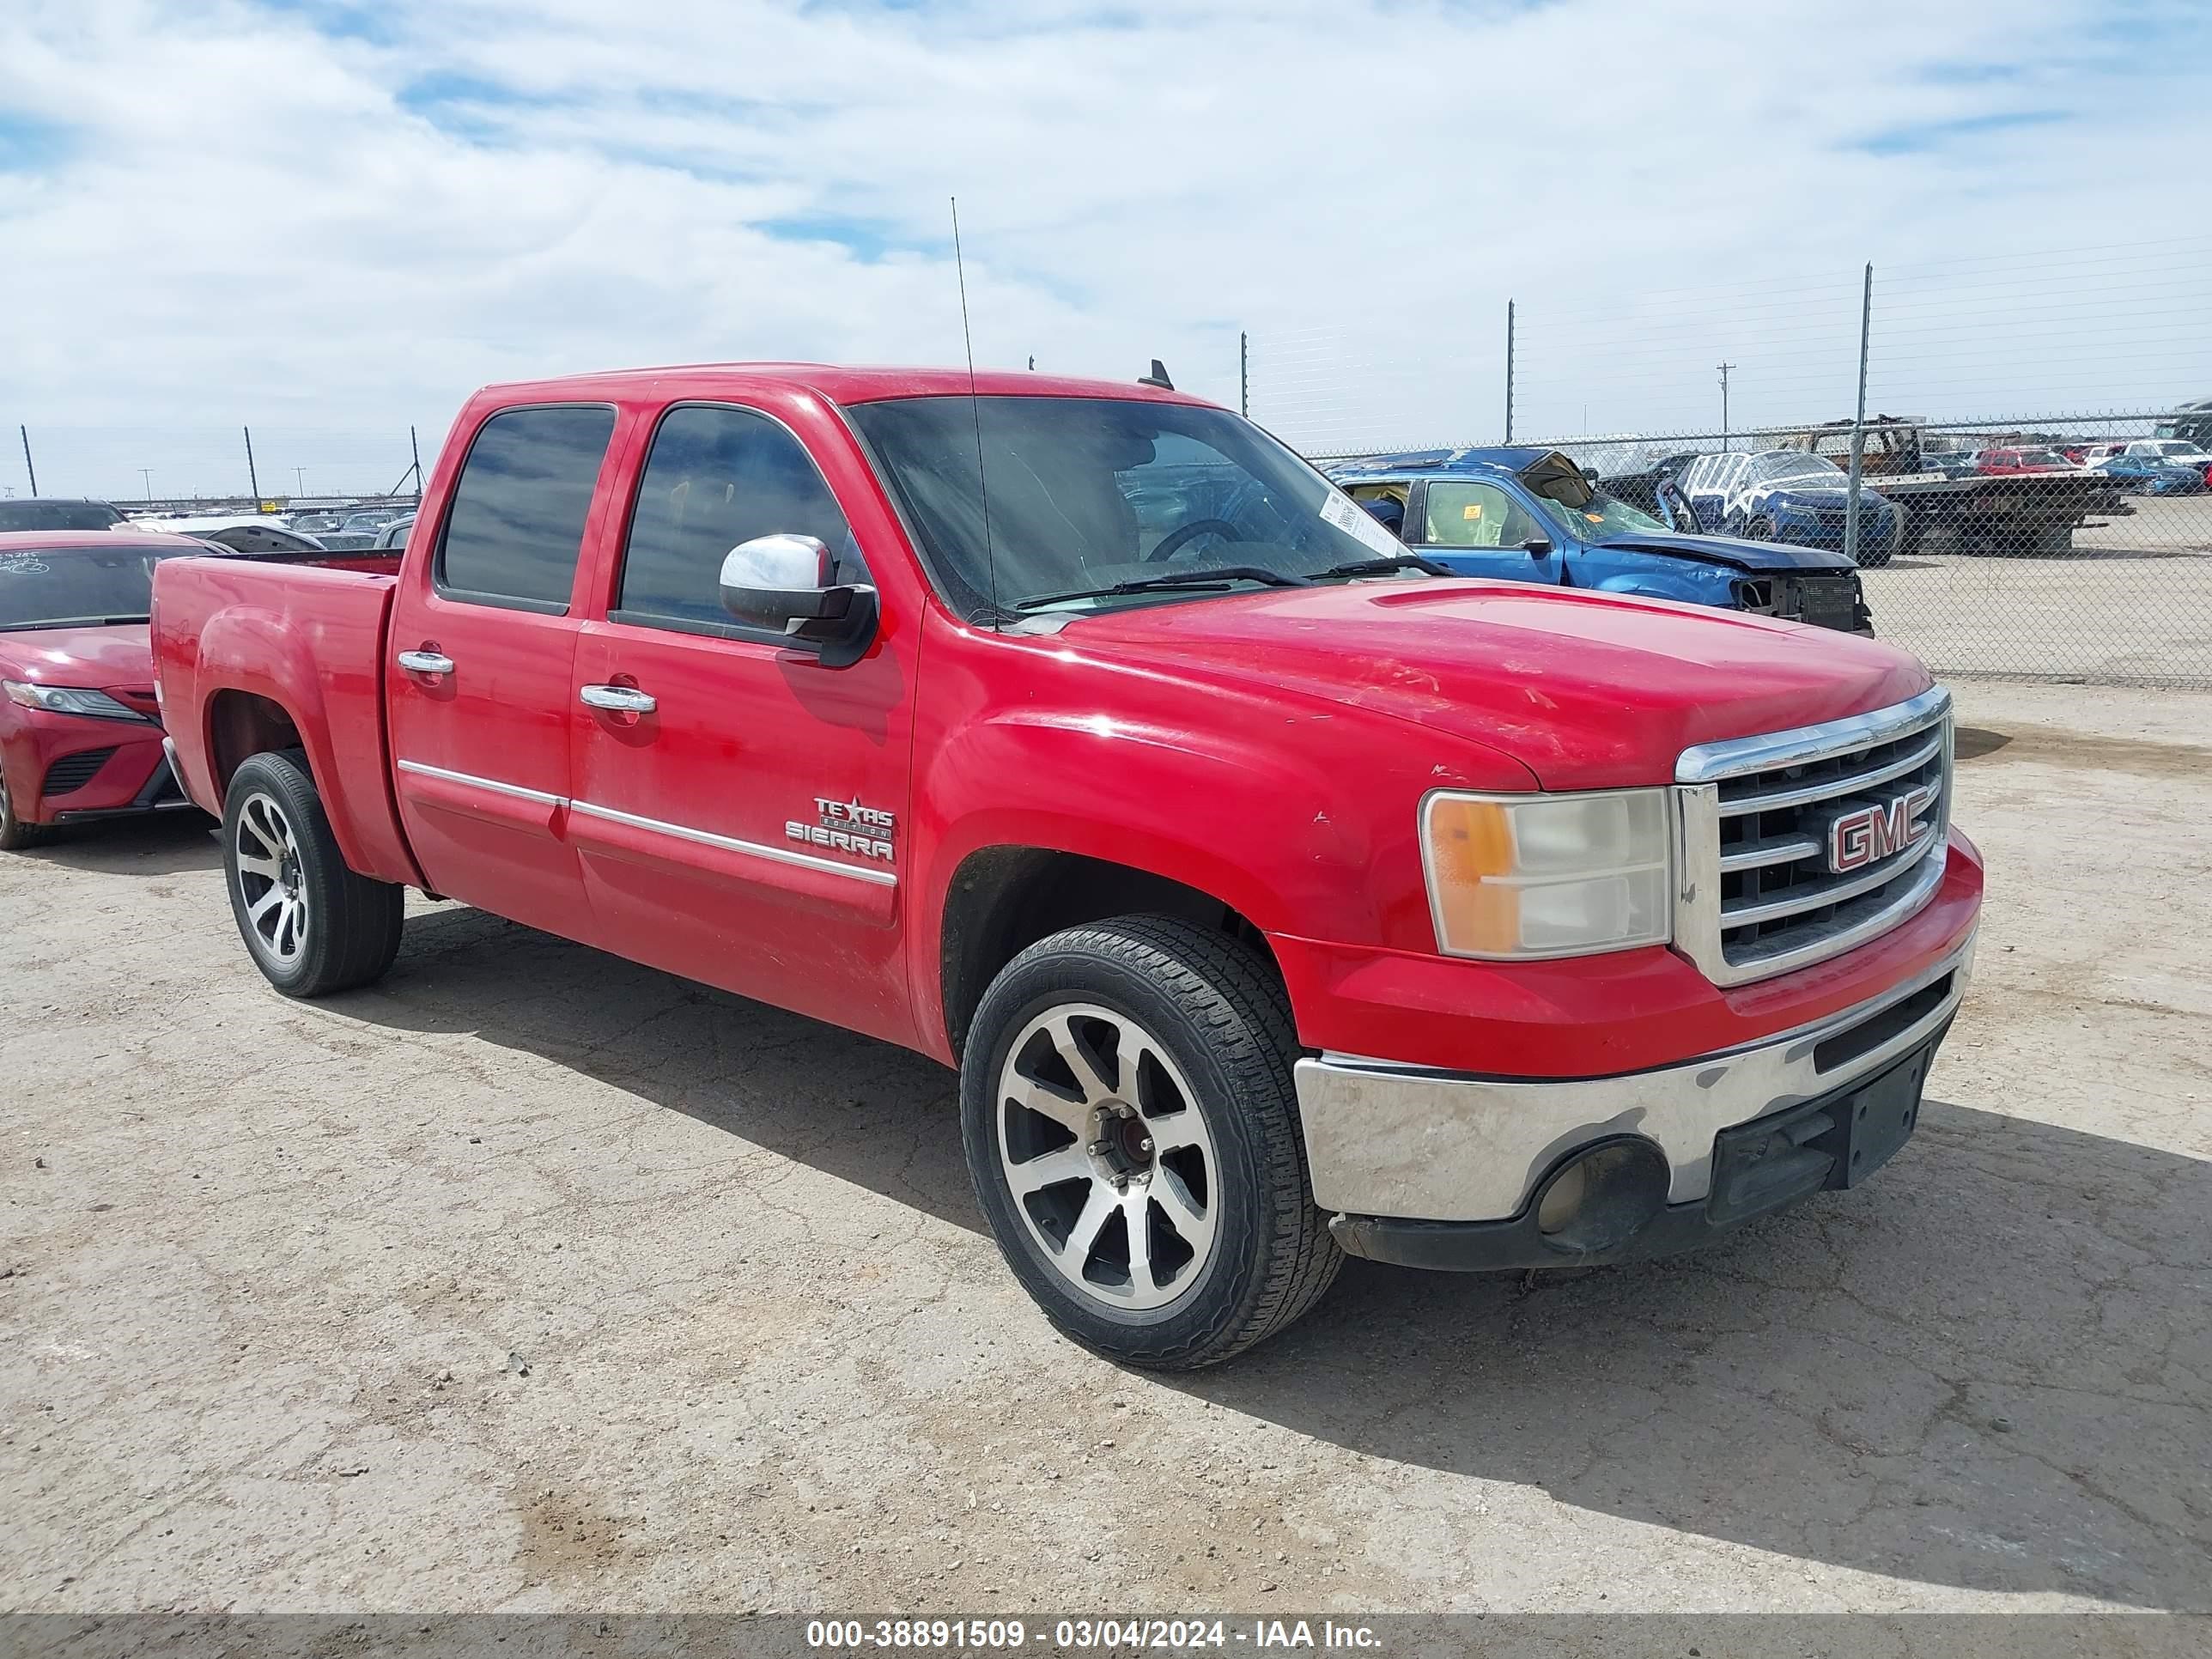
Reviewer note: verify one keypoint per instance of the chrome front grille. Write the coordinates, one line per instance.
(1758, 894)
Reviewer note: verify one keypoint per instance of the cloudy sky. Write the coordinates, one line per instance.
(332, 219)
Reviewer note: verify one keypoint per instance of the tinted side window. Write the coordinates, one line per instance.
(517, 520)
(715, 477)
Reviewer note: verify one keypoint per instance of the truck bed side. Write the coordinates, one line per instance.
(252, 655)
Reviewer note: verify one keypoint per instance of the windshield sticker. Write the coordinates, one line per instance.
(21, 564)
(1340, 509)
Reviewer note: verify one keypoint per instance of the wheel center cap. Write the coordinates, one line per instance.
(1119, 1146)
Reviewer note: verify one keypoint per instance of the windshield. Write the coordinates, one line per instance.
(1087, 492)
(58, 516)
(48, 586)
(1811, 469)
(1581, 510)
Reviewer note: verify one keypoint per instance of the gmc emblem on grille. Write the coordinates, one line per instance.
(1868, 835)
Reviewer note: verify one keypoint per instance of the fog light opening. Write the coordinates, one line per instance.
(1600, 1198)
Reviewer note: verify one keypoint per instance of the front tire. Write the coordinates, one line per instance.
(16, 834)
(311, 924)
(1130, 1123)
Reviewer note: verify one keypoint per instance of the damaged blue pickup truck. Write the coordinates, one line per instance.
(1530, 515)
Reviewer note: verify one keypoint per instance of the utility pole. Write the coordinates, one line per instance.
(252, 479)
(1509, 371)
(147, 473)
(1859, 423)
(415, 449)
(1244, 375)
(28, 467)
(299, 481)
(1724, 420)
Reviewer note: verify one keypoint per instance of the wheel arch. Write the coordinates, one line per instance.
(243, 723)
(1002, 899)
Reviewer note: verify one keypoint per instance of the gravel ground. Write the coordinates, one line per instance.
(530, 1279)
(2132, 601)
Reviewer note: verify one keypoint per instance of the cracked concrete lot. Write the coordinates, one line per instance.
(531, 1279)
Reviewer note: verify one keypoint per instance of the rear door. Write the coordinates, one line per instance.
(1481, 528)
(482, 647)
(742, 822)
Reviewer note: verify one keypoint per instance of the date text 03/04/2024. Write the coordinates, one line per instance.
(1078, 1635)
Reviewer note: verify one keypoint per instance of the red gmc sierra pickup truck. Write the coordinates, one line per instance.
(1275, 898)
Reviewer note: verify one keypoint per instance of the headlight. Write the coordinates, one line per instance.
(70, 699)
(1548, 875)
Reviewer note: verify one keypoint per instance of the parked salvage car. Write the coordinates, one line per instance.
(369, 520)
(1789, 496)
(1530, 515)
(2150, 475)
(2175, 452)
(1931, 477)
(2007, 460)
(1275, 898)
(242, 532)
(394, 535)
(56, 513)
(80, 731)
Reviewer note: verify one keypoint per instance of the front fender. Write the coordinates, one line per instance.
(1184, 812)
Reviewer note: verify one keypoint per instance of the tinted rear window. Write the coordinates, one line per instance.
(58, 516)
(517, 520)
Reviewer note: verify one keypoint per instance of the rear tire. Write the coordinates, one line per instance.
(14, 834)
(311, 925)
(1090, 1048)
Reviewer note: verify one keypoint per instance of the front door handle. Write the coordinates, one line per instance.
(425, 662)
(623, 699)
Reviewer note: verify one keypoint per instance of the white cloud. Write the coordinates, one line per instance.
(302, 216)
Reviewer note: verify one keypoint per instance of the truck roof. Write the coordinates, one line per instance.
(1511, 458)
(839, 385)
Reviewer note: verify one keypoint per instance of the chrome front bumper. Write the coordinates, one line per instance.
(1385, 1139)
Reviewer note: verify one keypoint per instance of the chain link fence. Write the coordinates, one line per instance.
(170, 468)
(2057, 550)
(2058, 545)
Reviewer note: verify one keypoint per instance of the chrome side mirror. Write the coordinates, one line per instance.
(788, 583)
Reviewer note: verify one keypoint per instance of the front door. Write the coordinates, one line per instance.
(1482, 529)
(483, 645)
(738, 807)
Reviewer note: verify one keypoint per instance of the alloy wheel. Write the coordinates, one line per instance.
(270, 882)
(1108, 1156)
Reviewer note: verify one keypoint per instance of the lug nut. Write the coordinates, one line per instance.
(1145, 1145)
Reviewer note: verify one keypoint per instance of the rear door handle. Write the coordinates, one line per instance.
(623, 699)
(425, 662)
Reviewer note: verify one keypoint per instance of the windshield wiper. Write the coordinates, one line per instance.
(1214, 575)
(1383, 566)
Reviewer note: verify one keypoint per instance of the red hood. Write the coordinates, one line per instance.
(1587, 690)
(118, 660)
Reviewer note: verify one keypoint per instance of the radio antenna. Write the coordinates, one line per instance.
(976, 408)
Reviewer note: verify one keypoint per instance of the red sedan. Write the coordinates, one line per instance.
(80, 732)
(1999, 462)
